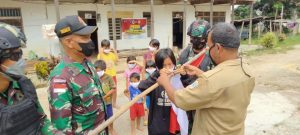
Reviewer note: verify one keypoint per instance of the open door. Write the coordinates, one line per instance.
(89, 17)
(178, 29)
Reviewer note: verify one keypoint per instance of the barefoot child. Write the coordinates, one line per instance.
(109, 89)
(110, 56)
(137, 109)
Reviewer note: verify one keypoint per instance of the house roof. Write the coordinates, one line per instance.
(156, 2)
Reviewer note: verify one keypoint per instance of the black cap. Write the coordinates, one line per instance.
(73, 25)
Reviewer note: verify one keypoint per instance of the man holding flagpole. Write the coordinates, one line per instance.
(219, 96)
(198, 32)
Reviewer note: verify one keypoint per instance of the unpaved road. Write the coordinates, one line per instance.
(275, 103)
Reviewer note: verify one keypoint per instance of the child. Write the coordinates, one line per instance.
(153, 48)
(109, 88)
(133, 67)
(161, 119)
(150, 69)
(110, 56)
(137, 109)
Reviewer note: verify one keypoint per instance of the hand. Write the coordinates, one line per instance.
(164, 78)
(192, 70)
(181, 70)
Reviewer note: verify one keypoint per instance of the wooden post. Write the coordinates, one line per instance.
(250, 28)
(184, 25)
(211, 12)
(280, 27)
(113, 19)
(152, 18)
(56, 3)
(242, 29)
(270, 25)
(259, 30)
(232, 11)
(295, 30)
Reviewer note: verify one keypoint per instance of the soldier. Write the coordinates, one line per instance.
(75, 93)
(198, 32)
(220, 96)
(20, 110)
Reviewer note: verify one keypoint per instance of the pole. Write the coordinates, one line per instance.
(250, 28)
(124, 108)
(242, 29)
(152, 18)
(113, 19)
(295, 30)
(270, 25)
(211, 12)
(232, 11)
(184, 25)
(56, 3)
(280, 27)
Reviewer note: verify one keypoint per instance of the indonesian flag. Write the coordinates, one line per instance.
(197, 62)
(178, 117)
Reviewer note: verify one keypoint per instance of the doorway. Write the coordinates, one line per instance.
(90, 18)
(178, 29)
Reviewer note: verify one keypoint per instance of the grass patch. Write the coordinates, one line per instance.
(280, 47)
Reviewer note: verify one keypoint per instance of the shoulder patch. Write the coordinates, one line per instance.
(211, 72)
(57, 80)
(193, 85)
(59, 88)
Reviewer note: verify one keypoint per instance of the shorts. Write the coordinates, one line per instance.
(137, 110)
(148, 102)
(109, 110)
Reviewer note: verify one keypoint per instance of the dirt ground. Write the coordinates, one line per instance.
(275, 103)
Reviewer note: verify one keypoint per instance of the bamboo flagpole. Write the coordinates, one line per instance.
(124, 108)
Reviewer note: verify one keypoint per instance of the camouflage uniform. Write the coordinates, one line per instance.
(14, 95)
(75, 97)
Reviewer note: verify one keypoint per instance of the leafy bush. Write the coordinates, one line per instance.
(268, 40)
(281, 37)
(42, 70)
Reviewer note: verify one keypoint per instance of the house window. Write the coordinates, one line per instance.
(118, 29)
(11, 16)
(147, 15)
(217, 16)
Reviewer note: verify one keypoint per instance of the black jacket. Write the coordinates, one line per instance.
(160, 105)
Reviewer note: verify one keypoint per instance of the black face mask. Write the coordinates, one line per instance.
(212, 60)
(87, 48)
(198, 44)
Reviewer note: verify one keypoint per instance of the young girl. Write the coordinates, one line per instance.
(160, 106)
(133, 67)
(153, 48)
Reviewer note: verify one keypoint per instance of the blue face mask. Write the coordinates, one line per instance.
(17, 69)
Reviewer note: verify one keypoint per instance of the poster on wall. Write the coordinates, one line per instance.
(134, 28)
(48, 31)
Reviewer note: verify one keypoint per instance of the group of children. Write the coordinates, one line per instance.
(155, 108)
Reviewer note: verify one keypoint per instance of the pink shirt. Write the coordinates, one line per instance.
(128, 72)
(148, 56)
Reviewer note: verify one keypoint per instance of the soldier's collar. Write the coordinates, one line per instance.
(74, 66)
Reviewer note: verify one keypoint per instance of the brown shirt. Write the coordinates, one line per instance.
(220, 97)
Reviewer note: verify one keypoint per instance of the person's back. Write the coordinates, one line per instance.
(226, 113)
